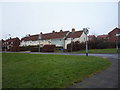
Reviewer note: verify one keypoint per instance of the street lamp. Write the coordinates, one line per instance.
(39, 38)
(85, 30)
(117, 35)
(6, 42)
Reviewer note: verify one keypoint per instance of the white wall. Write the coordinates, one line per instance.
(34, 43)
(82, 38)
(58, 42)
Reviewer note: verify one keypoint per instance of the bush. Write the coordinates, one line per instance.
(48, 48)
(96, 44)
(75, 46)
(23, 49)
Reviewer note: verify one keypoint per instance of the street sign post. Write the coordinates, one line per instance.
(85, 30)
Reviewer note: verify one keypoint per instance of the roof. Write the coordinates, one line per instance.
(102, 36)
(12, 39)
(75, 34)
(115, 30)
(91, 36)
(53, 35)
(31, 37)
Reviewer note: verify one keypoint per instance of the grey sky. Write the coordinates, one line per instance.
(22, 18)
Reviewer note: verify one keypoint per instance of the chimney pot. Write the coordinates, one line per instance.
(60, 30)
(73, 29)
(53, 31)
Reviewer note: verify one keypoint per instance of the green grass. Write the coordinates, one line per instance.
(113, 50)
(48, 71)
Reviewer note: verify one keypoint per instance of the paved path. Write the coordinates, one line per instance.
(104, 79)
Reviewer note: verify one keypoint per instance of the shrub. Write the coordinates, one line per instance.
(74, 46)
(48, 48)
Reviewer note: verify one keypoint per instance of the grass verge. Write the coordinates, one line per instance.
(47, 71)
(101, 51)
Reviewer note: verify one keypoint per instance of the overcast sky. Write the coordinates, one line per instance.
(21, 18)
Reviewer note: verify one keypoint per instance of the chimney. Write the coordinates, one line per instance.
(53, 31)
(73, 29)
(61, 31)
(41, 33)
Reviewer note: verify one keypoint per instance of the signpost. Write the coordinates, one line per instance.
(85, 30)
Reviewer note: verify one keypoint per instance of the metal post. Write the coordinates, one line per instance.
(71, 44)
(117, 35)
(85, 30)
(39, 45)
(86, 46)
(39, 38)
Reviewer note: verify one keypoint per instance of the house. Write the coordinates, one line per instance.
(56, 38)
(32, 40)
(112, 35)
(2, 45)
(74, 36)
(102, 37)
(91, 38)
(60, 39)
(12, 44)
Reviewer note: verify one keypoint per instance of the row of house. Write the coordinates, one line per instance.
(59, 39)
(110, 37)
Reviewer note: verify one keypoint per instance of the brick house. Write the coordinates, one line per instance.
(91, 38)
(102, 37)
(12, 44)
(2, 45)
(112, 35)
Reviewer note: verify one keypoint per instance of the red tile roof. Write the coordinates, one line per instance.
(31, 37)
(102, 36)
(75, 34)
(91, 36)
(12, 39)
(53, 35)
(114, 31)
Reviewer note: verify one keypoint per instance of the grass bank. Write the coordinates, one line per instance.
(100, 51)
(47, 71)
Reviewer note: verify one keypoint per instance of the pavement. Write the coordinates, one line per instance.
(105, 79)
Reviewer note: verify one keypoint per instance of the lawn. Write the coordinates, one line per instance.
(47, 71)
(113, 50)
